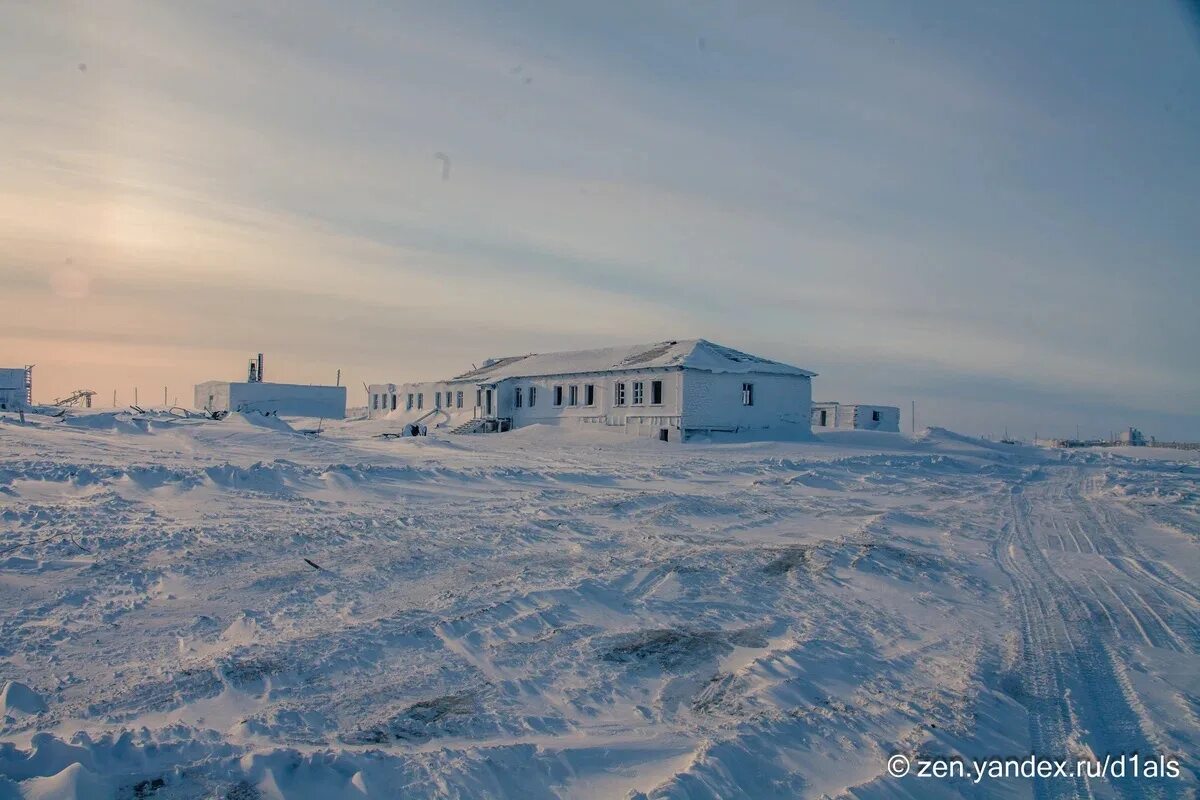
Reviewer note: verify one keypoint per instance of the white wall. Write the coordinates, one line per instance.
(288, 399)
(381, 397)
(212, 396)
(861, 419)
(603, 411)
(714, 400)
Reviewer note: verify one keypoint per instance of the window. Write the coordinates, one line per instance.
(656, 393)
(460, 399)
(393, 402)
(437, 399)
(449, 399)
(532, 396)
(374, 402)
(639, 393)
(824, 418)
(589, 394)
(558, 395)
(573, 395)
(620, 394)
(517, 397)
(408, 405)
(478, 397)
(420, 400)
(874, 416)
(747, 394)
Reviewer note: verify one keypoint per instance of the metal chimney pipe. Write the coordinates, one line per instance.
(260, 368)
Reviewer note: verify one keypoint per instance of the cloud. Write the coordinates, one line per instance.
(226, 178)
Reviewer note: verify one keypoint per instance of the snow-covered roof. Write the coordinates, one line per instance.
(687, 353)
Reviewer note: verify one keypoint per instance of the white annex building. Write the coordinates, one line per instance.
(855, 416)
(668, 390)
(285, 399)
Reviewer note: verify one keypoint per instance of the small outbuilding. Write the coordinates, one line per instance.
(855, 416)
(282, 399)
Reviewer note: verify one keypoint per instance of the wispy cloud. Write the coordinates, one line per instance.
(837, 189)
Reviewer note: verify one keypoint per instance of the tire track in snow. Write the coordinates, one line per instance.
(1072, 690)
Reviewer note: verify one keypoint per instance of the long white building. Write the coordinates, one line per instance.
(669, 390)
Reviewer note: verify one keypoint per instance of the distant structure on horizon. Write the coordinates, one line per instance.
(16, 388)
(672, 391)
(284, 399)
(855, 417)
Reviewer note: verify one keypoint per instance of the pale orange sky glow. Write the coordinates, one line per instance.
(184, 186)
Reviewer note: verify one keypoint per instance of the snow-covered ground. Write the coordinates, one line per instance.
(231, 609)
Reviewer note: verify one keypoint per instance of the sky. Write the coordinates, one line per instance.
(992, 210)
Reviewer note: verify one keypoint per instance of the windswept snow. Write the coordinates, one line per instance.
(191, 608)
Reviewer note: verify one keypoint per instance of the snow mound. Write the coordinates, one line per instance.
(18, 698)
(73, 783)
(252, 420)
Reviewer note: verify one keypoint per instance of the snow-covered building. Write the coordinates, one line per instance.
(15, 387)
(855, 416)
(286, 399)
(669, 390)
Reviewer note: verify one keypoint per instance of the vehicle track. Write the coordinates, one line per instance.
(1072, 689)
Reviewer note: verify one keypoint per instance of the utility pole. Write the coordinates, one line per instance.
(914, 417)
(114, 398)
(135, 398)
(164, 397)
(339, 378)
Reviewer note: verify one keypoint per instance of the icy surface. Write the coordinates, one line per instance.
(223, 609)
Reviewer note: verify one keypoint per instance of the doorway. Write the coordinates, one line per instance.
(664, 435)
(488, 402)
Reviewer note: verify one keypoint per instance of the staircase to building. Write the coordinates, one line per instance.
(470, 426)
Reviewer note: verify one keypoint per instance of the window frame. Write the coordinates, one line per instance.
(656, 387)
(619, 395)
(420, 401)
(557, 395)
(518, 399)
(532, 396)
(459, 398)
(589, 394)
(573, 395)
(748, 394)
(639, 393)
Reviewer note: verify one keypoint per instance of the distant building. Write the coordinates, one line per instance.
(285, 399)
(1131, 436)
(670, 390)
(16, 386)
(855, 416)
